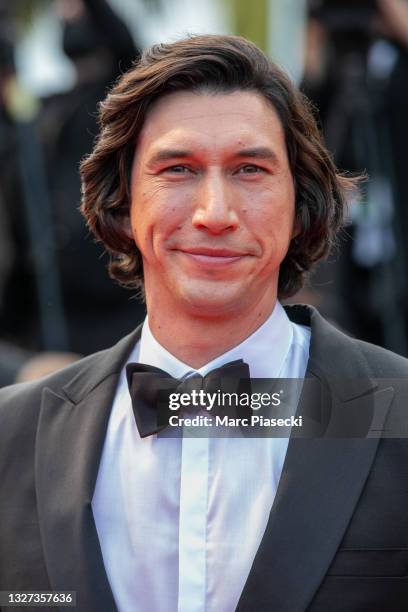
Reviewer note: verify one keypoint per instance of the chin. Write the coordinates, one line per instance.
(213, 301)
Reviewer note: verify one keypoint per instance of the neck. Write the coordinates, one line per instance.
(196, 340)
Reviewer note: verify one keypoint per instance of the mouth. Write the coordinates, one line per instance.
(213, 257)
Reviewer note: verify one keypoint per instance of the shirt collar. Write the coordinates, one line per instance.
(265, 350)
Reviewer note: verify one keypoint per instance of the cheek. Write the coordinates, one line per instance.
(157, 213)
(270, 220)
(274, 217)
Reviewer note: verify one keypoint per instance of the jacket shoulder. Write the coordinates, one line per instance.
(382, 362)
(333, 350)
(24, 399)
(25, 390)
(79, 378)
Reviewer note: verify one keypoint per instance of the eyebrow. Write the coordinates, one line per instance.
(253, 152)
(259, 153)
(166, 154)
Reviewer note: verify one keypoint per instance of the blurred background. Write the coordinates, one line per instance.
(57, 60)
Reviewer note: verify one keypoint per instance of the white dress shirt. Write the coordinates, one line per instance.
(180, 520)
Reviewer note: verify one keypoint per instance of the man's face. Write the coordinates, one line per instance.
(212, 202)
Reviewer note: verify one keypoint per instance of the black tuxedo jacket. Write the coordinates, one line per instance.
(337, 535)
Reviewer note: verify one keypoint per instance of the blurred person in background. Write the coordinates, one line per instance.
(13, 264)
(101, 48)
(356, 72)
(7, 71)
(56, 295)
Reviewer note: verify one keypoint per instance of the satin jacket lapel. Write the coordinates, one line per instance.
(321, 482)
(69, 444)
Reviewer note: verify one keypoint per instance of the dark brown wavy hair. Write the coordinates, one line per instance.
(218, 64)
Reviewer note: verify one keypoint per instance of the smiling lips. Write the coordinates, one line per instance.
(213, 257)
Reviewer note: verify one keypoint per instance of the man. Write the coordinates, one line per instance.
(210, 187)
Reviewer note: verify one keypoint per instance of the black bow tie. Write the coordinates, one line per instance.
(150, 390)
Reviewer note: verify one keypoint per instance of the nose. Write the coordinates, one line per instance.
(215, 211)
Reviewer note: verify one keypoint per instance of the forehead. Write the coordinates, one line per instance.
(211, 120)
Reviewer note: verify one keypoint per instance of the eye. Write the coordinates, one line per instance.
(179, 169)
(250, 169)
